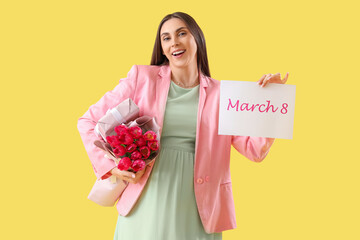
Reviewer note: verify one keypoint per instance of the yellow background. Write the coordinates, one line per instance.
(60, 57)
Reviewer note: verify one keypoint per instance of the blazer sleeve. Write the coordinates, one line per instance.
(86, 124)
(254, 148)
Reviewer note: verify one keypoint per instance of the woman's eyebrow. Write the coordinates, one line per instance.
(180, 28)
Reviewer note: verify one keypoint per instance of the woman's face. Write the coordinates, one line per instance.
(178, 44)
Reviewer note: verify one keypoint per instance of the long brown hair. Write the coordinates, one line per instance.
(202, 60)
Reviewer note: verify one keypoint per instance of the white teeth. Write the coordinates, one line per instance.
(178, 52)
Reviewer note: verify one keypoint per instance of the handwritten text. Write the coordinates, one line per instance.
(268, 107)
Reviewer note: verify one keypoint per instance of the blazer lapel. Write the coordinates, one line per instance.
(202, 99)
(162, 90)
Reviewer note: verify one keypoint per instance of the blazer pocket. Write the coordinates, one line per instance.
(223, 214)
(226, 186)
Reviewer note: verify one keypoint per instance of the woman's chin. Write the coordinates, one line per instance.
(178, 65)
(182, 64)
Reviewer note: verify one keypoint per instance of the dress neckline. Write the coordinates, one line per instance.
(174, 84)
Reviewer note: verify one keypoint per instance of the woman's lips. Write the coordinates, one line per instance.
(179, 55)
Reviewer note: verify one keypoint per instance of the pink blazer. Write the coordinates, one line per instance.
(148, 87)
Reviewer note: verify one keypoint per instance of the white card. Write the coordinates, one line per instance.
(246, 109)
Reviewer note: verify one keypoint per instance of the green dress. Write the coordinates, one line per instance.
(167, 207)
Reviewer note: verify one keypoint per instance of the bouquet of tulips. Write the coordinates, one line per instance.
(130, 141)
(133, 147)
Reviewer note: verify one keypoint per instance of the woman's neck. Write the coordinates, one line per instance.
(185, 76)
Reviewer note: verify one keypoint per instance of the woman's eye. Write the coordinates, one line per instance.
(165, 39)
(182, 33)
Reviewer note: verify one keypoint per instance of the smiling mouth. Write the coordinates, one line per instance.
(177, 53)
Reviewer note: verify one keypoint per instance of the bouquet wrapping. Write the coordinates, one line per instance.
(125, 112)
(132, 142)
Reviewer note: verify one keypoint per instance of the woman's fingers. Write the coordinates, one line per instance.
(273, 78)
(131, 179)
(138, 175)
(266, 80)
(122, 174)
(128, 174)
(261, 79)
(285, 78)
(128, 179)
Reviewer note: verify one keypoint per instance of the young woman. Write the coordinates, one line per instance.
(186, 193)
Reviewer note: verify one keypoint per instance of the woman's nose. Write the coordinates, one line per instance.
(175, 42)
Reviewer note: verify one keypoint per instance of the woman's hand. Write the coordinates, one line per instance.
(128, 176)
(272, 78)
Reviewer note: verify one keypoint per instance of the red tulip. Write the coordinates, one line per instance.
(119, 151)
(136, 132)
(128, 139)
(136, 155)
(124, 163)
(125, 138)
(119, 129)
(140, 142)
(138, 165)
(145, 151)
(153, 145)
(132, 147)
(150, 135)
(113, 141)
